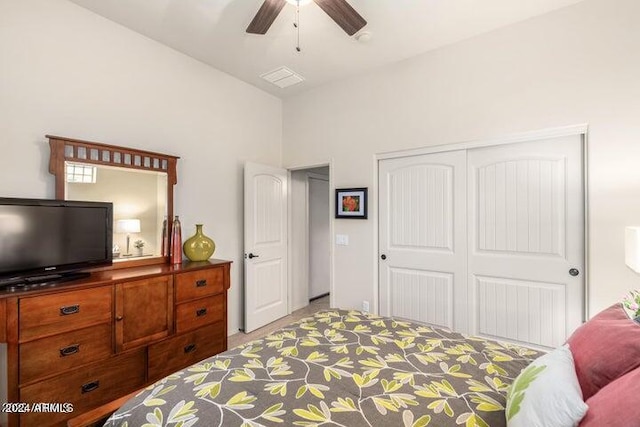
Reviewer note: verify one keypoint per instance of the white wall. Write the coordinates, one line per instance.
(576, 65)
(66, 71)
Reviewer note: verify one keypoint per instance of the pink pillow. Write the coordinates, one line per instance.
(616, 405)
(605, 348)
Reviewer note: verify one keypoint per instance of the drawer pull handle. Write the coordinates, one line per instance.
(200, 283)
(69, 350)
(189, 348)
(69, 309)
(201, 312)
(89, 387)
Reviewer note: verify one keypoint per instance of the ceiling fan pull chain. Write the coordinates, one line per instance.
(297, 25)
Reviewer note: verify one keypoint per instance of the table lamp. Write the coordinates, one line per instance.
(128, 226)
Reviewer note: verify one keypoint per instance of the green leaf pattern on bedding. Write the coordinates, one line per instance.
(340, 368)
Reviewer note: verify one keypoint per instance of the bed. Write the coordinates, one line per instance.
(342, 368)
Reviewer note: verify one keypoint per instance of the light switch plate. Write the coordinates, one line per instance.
(342, 239)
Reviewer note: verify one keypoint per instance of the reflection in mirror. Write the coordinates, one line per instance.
(136, 195)
(138, 182)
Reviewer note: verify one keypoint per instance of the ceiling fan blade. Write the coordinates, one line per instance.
(265, 16)
(344, 15)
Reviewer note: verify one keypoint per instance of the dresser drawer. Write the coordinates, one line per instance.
(200, 283)
(86, 387)
(67, 311)
(191, 315)
(48, 356)
(174, 354)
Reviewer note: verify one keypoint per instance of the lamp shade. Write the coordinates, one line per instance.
(632, 248)
(128, 226)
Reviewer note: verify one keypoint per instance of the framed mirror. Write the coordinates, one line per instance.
(139, 183)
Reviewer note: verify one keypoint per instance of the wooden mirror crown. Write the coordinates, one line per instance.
(65, 150)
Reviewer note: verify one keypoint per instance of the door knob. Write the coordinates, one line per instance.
(252, 256)
(574, 272)
(383, 256)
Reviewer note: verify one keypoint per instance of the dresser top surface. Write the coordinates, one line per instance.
(111, 276)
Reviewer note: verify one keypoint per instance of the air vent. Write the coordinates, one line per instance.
(282, 77)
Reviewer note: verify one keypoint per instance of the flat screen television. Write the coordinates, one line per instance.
(50, 240)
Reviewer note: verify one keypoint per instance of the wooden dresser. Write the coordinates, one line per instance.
(94, 340)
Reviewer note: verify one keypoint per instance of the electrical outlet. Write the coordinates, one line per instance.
(365, 306)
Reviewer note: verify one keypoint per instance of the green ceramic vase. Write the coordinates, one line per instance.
(199, 247)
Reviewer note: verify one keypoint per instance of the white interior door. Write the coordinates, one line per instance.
(319, 239)
(265, 245)
(422, 239)
(526, 234)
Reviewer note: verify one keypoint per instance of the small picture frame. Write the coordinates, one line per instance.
(351, 203)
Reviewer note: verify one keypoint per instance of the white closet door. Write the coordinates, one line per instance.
(422, 236)
(526, 234)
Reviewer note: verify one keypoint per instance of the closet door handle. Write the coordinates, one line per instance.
(574, 272)
(383, 257)
(252, 256)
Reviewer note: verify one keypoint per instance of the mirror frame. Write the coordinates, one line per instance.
(65, 149)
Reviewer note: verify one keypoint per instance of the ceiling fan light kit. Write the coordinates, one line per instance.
(339, 10)
(363, 36)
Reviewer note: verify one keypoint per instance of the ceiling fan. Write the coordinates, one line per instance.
(339, 10)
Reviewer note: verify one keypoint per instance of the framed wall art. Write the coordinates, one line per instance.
(351, 203)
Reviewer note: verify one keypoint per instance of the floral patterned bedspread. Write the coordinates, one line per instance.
(339, 368)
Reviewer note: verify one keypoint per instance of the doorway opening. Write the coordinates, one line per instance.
(310, 238)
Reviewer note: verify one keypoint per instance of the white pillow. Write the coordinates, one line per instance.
(546, 393)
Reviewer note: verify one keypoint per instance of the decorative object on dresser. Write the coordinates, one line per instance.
(176, 242)
(97, 339)
(139, 245)
(199, 247)
(165, 238)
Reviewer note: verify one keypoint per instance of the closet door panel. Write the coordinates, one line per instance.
(526, 232)
(423, 239)
(422, 295)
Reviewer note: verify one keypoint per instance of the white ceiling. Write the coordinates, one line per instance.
(213, 31)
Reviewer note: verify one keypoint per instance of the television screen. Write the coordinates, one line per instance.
(51, 236)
